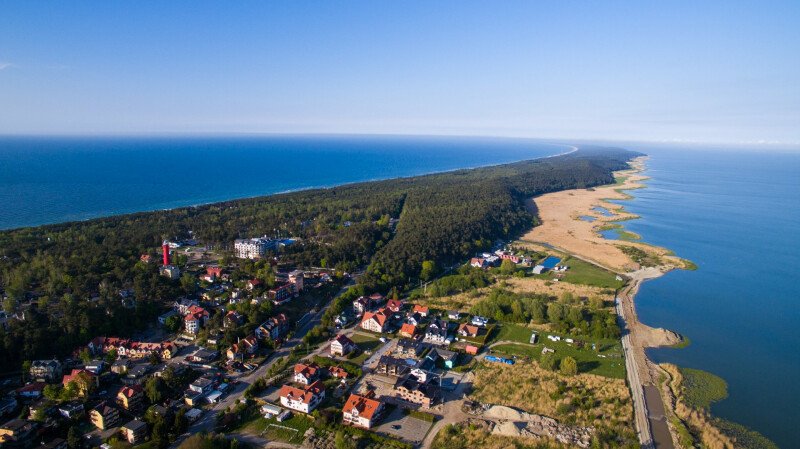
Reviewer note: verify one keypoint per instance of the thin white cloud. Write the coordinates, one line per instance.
(5, 65)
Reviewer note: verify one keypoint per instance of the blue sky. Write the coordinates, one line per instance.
(691, 71)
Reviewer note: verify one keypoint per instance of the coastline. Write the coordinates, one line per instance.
(663, 414)
(571, 222)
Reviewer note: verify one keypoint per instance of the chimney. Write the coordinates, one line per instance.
(165, 251)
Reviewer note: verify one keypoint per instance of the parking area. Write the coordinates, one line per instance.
(403, 426)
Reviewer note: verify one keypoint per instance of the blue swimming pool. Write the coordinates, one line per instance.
(550, 262)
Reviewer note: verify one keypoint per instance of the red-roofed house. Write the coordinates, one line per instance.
(471, 350)
(244, 347)
(130, 397)
(337, 372)
(468, 330)
(361, 411)
(85, 380)
(306, 373)
(408, 330)
(253, 283)
(31, 390)
(374, 322)
(302, 400)
(421, 310)
(394, 305)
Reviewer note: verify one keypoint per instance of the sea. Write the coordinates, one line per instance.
(734, 212)
(57, 179)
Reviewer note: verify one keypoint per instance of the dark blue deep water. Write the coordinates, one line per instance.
(736, 214)
(50, 180)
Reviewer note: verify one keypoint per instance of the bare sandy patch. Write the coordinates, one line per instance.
(562, 228)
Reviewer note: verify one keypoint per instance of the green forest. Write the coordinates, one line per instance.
(64, 279)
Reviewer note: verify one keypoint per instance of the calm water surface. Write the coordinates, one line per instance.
(50, 180)
(737, 215)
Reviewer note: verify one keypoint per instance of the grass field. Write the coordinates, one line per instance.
(589, 361)
(289, 431)
(581, 272)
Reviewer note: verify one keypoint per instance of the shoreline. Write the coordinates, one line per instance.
(565, 227)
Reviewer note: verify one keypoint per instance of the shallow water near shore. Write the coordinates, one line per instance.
(736, 214)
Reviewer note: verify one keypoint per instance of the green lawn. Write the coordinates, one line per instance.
(513, 332)
(366, 342)
(269, 428)
(589, 361)
(581, 272)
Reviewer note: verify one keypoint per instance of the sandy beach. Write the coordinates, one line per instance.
(562, 227)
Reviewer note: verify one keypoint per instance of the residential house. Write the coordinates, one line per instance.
(342, 345)
(438, 333)
(202, 385)
(254, 283)
(120, 366)
(84, 380)
(135, 431)
(377, 298)
(214, 272)
(203, 355)
(71, 410)
(468, 330)
(337, 372)
(408, 330)
(182, 306)
(195, 319)
(95, 366)
(362, 411)
(375, 321)
(104, 416)
(243, 348)
(414, 319)
(394, 305)
(423, 369)
(362, 304)
(282, 293)
(453, 314)
(17, 433)
(448, 358)
(306, 373)
(409, 348)
(415, 392)
(232, 320)
(471, 349)
(274, 328)
(130, 397)
(480, 321)
(423, 311)
(392, 366)
(46, 370)
(32, 390)
(303, 400)
(477, 262)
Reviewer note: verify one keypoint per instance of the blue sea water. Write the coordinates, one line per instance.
(736, 214)
(51, 180)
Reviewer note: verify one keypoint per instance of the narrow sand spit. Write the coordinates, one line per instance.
(563, 228)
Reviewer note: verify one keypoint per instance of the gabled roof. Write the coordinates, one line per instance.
(344, 340)
(307, 370)
(365, 406)
(379, 316)
(305, 395)
(408, 328)
(130, 391)
(420, 308)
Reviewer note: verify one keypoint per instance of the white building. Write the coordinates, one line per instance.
(255, 248)
(302, 400)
